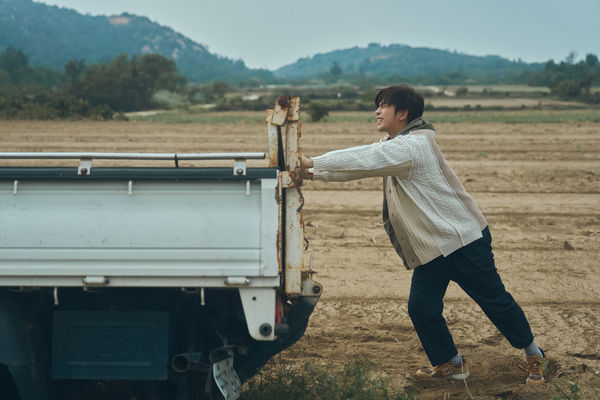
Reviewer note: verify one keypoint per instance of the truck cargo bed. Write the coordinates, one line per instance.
(138, 227)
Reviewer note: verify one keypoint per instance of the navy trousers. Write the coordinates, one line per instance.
(472, 268)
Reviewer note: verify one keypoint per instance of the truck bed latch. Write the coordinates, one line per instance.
(95, 280)
(237, 281)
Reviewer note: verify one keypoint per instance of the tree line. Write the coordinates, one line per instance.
(149, 81)
(87, 91)
(569, 80)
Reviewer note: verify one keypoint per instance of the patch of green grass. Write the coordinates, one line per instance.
(182, 116)
(482, 116)
(573, 392)
(357, 380)
(515, 117)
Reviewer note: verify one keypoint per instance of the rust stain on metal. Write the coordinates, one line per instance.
(296, 177)
(279, 247)
(280, 111)
(294, 109)
(278, 199)
(284, 102)
(268, 115)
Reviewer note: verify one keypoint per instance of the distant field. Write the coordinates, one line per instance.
(495, 88)
(507, 116)
(504, 102)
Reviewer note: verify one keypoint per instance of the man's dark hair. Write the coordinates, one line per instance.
(402, 97)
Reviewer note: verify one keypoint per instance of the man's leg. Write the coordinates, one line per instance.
(476, 274)
(425, 306)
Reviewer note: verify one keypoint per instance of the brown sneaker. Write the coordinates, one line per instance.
(447, 370)
(535, 368)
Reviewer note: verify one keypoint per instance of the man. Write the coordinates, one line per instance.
(435, 227)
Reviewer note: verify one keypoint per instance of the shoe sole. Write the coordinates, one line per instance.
(459, 377)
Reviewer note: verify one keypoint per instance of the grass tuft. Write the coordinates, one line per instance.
(356, 380)
(573, 392)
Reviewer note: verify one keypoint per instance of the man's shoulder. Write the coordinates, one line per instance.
(428, 133)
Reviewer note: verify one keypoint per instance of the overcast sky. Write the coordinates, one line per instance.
(269, 34)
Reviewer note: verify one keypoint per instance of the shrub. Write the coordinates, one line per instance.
(462, 91)
(170, 100)
(102, 112)
(317, 111)
(567, 89)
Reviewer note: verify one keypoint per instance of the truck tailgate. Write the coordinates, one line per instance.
(175, 228)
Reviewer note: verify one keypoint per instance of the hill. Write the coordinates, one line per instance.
(51, 36)
(405, 61)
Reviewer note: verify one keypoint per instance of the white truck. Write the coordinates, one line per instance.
(151, 283)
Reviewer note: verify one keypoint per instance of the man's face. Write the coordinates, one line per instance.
(388, 120)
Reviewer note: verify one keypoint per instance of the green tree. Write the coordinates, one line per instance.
(74, 70)
(12, 60)
(129, 85)
(212, 93)
(335, 70)
(591, 60)
(570, 80)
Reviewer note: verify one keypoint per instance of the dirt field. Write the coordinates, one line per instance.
(537, 184)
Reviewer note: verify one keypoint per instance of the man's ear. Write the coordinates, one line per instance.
(401, 114)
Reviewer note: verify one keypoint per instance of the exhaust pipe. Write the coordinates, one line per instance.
(189, 361)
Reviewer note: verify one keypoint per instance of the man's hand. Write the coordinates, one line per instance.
(305, 164)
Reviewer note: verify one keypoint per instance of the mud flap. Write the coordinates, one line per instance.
(226, 379)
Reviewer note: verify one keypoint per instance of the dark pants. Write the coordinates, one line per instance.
(472, 268)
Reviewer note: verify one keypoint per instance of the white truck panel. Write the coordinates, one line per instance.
(158, 229)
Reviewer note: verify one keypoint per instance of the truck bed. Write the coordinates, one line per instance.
(144, 227)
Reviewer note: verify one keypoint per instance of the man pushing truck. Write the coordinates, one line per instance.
(435, 227)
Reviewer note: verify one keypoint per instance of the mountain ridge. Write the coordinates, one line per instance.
(403, 60)
(52, 35)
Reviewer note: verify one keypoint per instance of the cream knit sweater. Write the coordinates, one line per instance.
(430, 212)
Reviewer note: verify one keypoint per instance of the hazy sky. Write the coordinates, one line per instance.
(269, 34)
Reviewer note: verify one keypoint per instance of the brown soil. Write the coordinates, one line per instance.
(537, 184)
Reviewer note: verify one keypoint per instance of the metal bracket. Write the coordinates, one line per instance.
(239, 166)
(85, 166)
(259, 310)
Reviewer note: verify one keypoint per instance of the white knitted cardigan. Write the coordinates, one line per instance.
(429, 209)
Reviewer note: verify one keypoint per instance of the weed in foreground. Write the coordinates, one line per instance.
(357, 380)
(573, 392)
